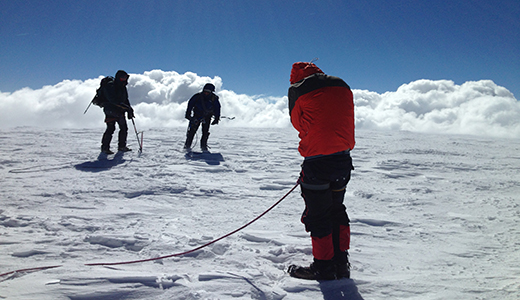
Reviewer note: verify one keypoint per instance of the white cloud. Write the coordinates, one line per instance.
(160, 98)
(475, 107)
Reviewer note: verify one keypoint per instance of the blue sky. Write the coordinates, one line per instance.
(251, 45)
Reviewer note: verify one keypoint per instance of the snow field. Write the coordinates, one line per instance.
(433, 217)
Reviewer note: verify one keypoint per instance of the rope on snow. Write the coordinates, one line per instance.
(200, 247)
(166, 256)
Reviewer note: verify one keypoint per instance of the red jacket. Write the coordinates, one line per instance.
(322, 111)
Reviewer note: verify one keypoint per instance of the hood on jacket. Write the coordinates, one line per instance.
(300, 70)
(209, 88)
(121, 74)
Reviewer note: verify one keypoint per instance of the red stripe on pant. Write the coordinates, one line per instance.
(344, 237)
(323, 248)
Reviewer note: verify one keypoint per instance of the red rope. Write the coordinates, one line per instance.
(29, 270)
(167, 256)
(200, 247)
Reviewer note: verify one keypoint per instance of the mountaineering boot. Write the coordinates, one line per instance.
(343, 271)
(124, 149)
(106, 150)
(342, 266)
(187, 145)
(318, 270)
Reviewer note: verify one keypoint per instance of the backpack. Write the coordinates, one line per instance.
(100, 99)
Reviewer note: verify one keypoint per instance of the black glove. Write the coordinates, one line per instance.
(215, 122)
(130, 114)
(188, 117)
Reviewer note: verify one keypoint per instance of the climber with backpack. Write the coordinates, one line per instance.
(112, 95)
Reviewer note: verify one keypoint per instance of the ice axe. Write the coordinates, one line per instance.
(140, 143)
(87, 107)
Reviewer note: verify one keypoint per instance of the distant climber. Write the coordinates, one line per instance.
(117, 104)
(201, 108)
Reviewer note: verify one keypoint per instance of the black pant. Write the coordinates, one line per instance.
(323, 182)
(192, 129)
(111, 128)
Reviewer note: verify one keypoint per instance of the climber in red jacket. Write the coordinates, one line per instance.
(322, 111)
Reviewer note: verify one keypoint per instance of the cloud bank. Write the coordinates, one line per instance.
(160, 98)
(441, 106)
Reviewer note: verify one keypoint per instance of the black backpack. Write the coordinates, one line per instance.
(100, 99)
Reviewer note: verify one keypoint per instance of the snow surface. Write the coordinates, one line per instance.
(433, 217)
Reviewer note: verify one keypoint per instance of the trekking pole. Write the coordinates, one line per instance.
(137, 136)
(87, 107)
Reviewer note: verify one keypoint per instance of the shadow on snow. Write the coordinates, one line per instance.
(340, 289)
(209, 158)
(102, 163)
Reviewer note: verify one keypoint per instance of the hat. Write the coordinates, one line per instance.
(300, 70)
(121, 73)
(208, 88)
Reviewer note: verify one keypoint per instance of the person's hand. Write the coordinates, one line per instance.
(188, 117)
(215, 122)
(130, 114)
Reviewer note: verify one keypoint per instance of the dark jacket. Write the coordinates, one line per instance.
(117, 96)
(322, 111)
(203, 106)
